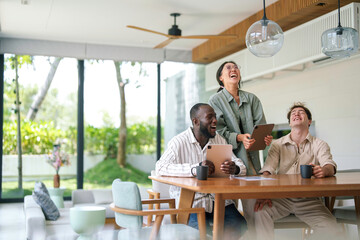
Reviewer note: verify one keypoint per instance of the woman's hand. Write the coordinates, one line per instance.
(268, 140)
(245, 139)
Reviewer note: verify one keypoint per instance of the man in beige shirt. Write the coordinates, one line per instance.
(285, 157)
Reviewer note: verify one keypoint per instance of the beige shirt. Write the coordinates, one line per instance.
(285, 157)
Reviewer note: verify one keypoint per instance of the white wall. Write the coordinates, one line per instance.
(36, 165)
(331, 92)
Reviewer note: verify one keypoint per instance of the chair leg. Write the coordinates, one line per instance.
(202, 225)
(156, 227)
(306, 233)
(173, 219)
(151, 206)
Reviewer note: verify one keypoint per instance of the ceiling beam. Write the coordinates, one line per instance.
(287, 13)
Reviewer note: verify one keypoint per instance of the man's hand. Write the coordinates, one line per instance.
(260, 203)
(210, 164)
(268, 140)
(246, 140)
(320, 172)
(228, 167)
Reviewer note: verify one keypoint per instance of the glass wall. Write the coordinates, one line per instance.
(40, 112)
(115, 94)
(47, 130)
(184, 87)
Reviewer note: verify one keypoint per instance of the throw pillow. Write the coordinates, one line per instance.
(48, 207)
(102, 196)
(40, 186)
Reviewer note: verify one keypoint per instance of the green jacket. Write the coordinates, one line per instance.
(229, 114)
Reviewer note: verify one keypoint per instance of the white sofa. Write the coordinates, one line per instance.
(38, 228)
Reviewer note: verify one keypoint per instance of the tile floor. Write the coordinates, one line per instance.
(12, 225)
(12, 221)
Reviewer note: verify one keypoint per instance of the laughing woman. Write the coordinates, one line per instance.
(237, 113)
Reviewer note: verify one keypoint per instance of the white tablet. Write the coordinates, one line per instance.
(218, 153)
(259, 133)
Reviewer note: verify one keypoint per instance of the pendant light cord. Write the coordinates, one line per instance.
(264, 17)
(339, 26)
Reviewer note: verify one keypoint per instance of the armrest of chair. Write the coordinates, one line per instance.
(161, 212)
(157, 202)
(153, 194)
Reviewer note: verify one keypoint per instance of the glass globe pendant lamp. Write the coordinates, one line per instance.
(264, 38)
(340, 42)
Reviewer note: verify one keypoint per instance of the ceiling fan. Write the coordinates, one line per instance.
(175, 33)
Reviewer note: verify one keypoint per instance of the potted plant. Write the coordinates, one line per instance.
(57, 159)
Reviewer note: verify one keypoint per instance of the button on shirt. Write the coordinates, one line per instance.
(285, 157)
(183, 153)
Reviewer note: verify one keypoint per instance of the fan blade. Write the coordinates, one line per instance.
(164, 43)
(210, 37)
(147, 30)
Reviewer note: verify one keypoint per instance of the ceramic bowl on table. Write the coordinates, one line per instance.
(87, 221)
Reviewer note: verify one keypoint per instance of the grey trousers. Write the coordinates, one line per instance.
(309, 210)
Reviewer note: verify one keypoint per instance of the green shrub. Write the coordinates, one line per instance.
(39, 137)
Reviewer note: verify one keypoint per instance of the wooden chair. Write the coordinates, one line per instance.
(344, 214)
(158, 191)
(292, 221)
(129, 213)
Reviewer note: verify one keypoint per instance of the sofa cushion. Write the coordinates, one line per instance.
(42, 198)
(102, 196)
(63, 219)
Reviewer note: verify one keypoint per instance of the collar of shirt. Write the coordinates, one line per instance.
(287, 140)
(194, 141)
(229, 97)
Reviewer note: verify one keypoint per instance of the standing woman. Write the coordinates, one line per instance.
(237, 113)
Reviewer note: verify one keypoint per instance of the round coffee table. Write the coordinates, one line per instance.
(87, 220)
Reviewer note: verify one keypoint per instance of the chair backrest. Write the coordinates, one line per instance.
(127, 195)
(159, 187)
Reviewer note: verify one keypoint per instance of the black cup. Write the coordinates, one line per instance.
(306, 171)
(202, 172)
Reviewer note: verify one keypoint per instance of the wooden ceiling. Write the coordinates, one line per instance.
(287, 13)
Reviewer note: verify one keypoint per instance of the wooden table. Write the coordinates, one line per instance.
(283, 186)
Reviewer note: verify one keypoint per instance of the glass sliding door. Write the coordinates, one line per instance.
(115, 94)
(39, 123)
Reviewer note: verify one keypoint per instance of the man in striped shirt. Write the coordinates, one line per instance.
(187, 150)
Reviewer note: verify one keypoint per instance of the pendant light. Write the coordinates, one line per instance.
(264, 38)
(340, 42)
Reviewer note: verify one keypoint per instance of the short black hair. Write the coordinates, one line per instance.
(194, 110)
(299, 105)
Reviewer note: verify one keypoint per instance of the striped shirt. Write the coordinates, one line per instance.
(183, 153)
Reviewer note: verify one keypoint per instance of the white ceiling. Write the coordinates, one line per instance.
(104, 21)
